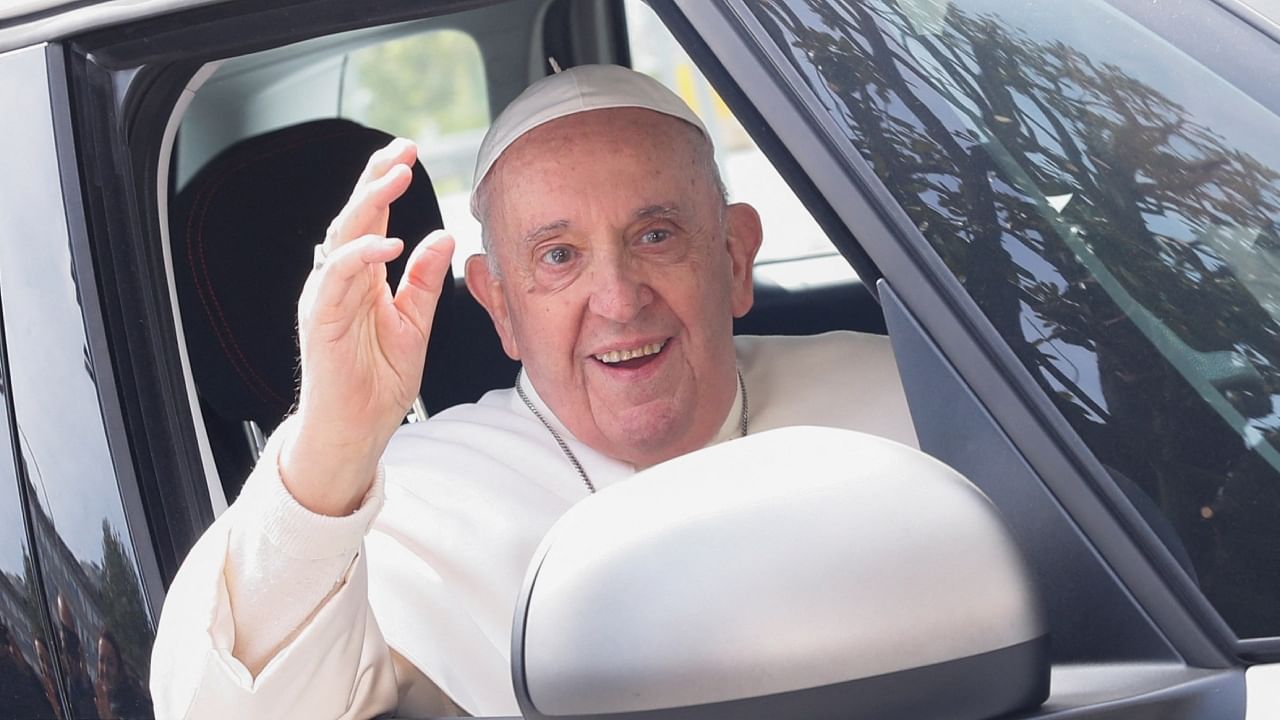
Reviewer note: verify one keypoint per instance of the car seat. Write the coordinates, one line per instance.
(243, 230)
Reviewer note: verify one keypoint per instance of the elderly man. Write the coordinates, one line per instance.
(369, 567)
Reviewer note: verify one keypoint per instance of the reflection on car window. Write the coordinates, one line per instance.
(26, 664)
(789, 230)
(446, 111)
(91, 576)
(87, 568)
(1110, 204)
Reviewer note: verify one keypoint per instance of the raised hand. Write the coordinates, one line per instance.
(363, 348)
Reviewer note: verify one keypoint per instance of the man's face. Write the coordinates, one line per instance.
(108, 660)
(612, 241)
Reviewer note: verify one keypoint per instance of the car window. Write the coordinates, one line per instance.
(445, 111)
(790, 232)
(362, 76)
(89, 568)
(26, 662)
(381, 84)
(1110, 203)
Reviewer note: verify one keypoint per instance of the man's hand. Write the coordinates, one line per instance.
(363, 348)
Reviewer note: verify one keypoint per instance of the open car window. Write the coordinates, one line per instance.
(446, 111)
(438, 81)
(379, 79)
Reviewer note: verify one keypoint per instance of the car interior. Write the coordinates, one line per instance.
(272, 142)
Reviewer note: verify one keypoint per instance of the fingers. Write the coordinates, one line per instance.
(397, 152)
(385, 177)
(423, 279)
(332, 284)
(368, 208)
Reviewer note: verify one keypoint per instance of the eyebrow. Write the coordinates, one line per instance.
(657, 211)
(645, 213)
(546, 229)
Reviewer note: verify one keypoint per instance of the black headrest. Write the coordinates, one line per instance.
(243, 230)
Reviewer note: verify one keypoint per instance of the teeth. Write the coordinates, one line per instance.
(614, 356)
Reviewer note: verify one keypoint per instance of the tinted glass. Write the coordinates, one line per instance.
(102, 630)
(1110, 203)
(28, 686)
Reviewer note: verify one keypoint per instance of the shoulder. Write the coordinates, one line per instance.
(838, 346)
(498, 412)
(836, 379)
(458, 431)
(836, 357)
(489, 447)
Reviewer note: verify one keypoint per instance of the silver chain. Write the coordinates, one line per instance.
(564, 446)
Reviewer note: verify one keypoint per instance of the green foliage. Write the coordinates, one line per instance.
(425, 84)
(31, 591)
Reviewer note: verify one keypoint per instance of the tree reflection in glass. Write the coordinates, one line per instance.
(1121, 243)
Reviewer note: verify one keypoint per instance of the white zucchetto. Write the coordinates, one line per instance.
(578, 89)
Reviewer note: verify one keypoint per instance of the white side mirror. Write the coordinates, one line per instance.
(799, 573)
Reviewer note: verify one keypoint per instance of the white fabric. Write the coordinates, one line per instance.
(578, 89)
(468, 496)
(1262, 692)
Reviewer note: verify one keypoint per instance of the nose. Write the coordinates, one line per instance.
(618, 292)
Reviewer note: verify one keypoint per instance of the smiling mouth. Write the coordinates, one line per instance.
(631, 357)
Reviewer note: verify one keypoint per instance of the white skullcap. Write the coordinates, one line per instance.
(578, 89)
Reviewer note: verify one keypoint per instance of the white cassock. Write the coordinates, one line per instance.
(348, 617)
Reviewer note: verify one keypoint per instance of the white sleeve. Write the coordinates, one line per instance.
(269, 614)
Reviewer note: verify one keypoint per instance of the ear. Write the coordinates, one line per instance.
(487, 291)
(744, 235)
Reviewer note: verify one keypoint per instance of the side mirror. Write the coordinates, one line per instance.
(798, 573)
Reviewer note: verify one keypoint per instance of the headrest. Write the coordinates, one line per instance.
(243, 230)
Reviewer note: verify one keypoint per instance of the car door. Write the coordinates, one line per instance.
(1073, 292)
(88, 566)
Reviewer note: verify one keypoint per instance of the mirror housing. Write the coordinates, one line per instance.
(797, 573)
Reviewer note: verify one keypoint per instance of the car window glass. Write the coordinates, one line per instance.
(446, 111)
(89, 569)
(790, 232)
(1110, 203)
(26, 665)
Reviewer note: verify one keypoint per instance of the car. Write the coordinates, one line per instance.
(1063, 216)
